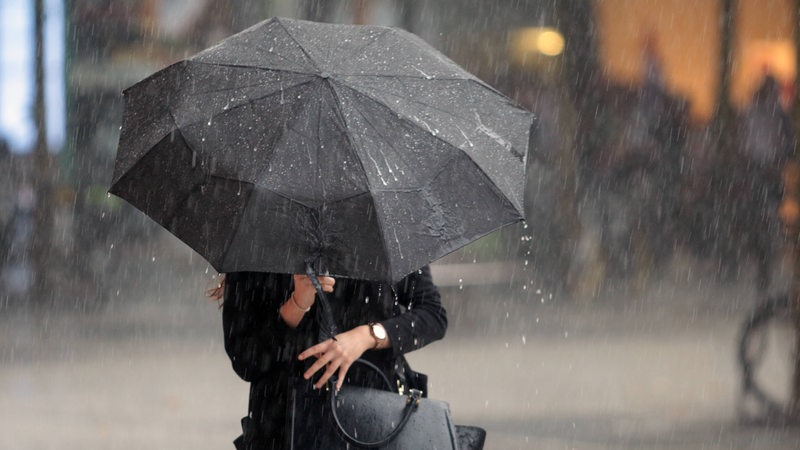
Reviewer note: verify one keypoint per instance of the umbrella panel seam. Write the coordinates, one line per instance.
(466, 77)
(405, 119)
(248, 102)
(381, 230)
(299, 45)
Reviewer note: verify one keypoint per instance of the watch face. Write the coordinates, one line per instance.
(379, 331)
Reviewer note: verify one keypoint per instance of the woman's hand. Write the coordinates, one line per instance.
(337, 355)
(303, 296)
(304, 291)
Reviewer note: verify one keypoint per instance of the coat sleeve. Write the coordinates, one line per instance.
(424, 320)
(256, 338)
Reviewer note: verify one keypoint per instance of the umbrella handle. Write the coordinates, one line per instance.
(327, 325)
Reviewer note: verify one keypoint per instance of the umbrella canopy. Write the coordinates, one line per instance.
(360, 148)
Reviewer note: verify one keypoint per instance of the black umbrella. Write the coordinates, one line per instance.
(360, 148)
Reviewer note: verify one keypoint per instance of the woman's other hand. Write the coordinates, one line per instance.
(302, 298)
(304, 291)
(337, 355)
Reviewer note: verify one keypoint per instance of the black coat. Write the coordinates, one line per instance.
(263, 350)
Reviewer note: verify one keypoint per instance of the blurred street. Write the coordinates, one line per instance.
(662, 187)
(147, 369)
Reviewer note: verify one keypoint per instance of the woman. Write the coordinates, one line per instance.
(271, 335)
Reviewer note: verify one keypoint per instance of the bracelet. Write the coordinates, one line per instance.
(297, 305)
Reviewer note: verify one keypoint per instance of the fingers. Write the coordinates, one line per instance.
(342, 374)
(335, 356)
(326, 354)
(330, 356)
(326, 282)
(329, 371)
(316, 350)
(323, 361)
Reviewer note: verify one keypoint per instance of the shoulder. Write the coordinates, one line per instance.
(419, 279)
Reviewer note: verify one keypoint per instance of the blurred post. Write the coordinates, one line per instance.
(725, 172)
(725, 115)
(790, 214)
(581, 77)
(42, 169)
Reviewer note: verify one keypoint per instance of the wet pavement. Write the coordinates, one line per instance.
(146, 368)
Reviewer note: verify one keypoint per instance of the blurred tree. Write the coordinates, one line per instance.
(43, 171)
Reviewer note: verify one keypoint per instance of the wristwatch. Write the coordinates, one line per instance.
(378, 333)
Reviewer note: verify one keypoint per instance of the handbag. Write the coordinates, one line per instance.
(366, 417)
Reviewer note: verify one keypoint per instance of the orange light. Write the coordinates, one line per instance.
(530, 41)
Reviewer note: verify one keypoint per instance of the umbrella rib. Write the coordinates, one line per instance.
(242, 66)
(302, 49)
(446, 112)
(249, 101)
(382, 104)
(404, 119)
(412, 77)
(374, 41)
(244, 86)
(443, 168)
(381, 230)
(355, 75)
(416, 101)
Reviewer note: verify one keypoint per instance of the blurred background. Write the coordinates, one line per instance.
(666, 215)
